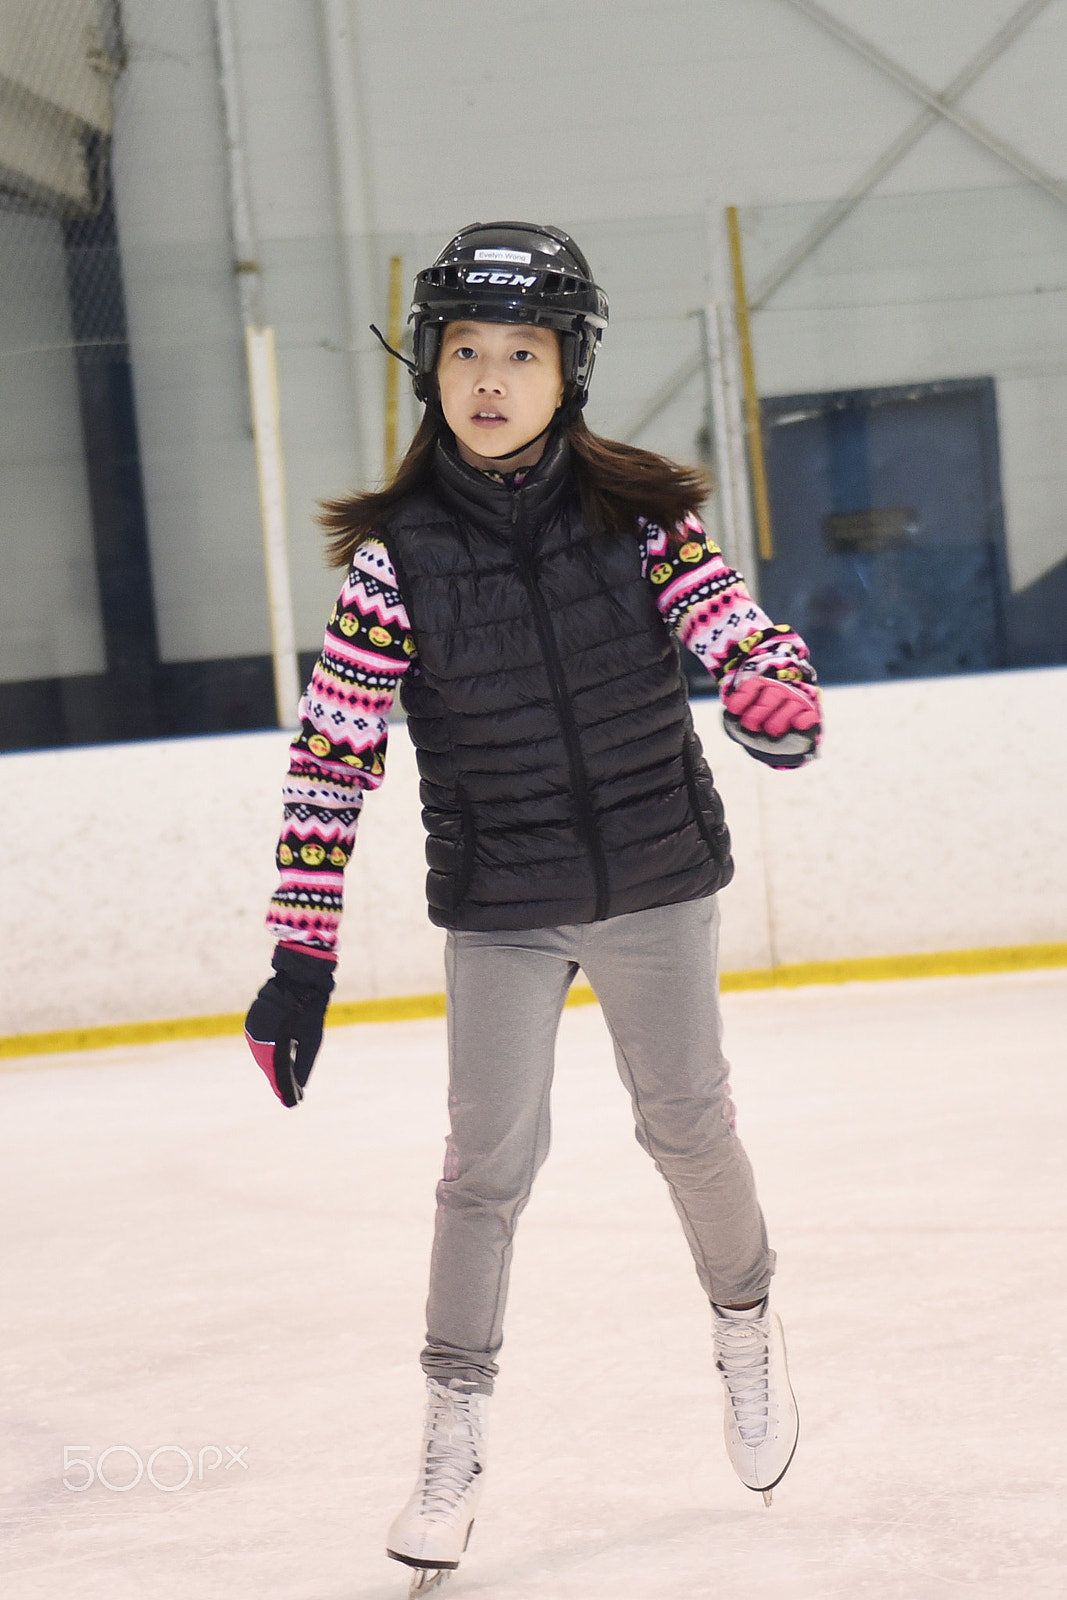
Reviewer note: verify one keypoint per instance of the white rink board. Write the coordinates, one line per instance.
(136, 877)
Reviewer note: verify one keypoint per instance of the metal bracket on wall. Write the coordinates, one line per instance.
(938, 107)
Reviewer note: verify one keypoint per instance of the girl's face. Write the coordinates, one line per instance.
(500, 383)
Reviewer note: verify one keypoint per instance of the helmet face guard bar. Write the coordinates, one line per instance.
(510, 272)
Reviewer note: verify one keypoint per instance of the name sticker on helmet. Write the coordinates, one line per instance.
(521, 258)
(502, 280)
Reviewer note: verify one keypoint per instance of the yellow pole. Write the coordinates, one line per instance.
(392, 370)
(753, 428)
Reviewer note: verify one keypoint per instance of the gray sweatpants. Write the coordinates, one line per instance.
(655, 975)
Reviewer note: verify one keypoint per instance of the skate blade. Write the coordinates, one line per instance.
(428, 1579)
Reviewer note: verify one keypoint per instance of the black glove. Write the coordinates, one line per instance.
(284, 1022)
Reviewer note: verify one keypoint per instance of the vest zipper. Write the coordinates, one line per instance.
(587, 828)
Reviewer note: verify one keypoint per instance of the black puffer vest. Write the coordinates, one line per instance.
(562, 781)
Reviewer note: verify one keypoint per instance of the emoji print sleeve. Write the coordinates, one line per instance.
(339, 752)
(705, 603)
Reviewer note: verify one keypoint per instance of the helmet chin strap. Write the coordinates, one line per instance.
(509, 454)
(380, 336)
(562, 417)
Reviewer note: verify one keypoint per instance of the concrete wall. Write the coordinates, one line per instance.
(633, 125)
(186, 339)
(135, 878)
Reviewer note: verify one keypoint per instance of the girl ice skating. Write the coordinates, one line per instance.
(521, 584)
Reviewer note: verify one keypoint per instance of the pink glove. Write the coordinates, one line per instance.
(778, 723)
(764, 705)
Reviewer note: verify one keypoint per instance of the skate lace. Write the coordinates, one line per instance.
(741, 1355)
(451, 1463)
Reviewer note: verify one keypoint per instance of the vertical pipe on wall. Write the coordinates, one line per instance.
(266, 430)
(753, 426)
(718, 431)
(732, 410)
(355, 227)
(242, 233)
(734, 424)
(262, 384)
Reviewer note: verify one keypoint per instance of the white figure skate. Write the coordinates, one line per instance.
(760, 1419)
(433, 1529)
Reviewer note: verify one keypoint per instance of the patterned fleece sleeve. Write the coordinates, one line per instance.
(339, 752)
(705, 603)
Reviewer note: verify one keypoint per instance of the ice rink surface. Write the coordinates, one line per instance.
(190, 1268)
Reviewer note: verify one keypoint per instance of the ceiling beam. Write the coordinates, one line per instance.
(938, 106)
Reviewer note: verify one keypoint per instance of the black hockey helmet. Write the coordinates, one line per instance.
(510, 272)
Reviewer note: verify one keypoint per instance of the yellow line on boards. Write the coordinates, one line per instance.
(403, 1008)
(876, 969)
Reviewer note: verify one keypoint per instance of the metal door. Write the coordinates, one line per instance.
(888, 529)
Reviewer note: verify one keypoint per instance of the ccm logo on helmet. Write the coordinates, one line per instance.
(505, 280)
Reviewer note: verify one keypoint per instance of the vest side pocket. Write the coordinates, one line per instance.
(466, 851)
(705, 801)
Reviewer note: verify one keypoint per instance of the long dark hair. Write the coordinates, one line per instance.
(619, 485)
